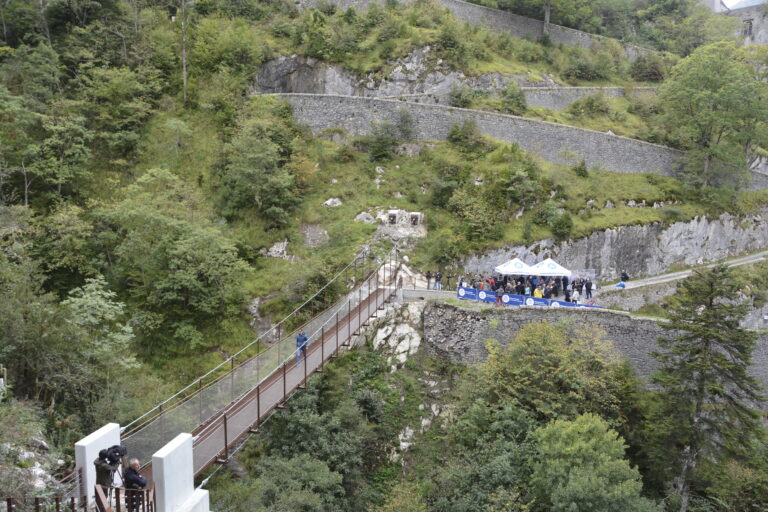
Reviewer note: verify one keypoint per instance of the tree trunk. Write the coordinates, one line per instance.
(44, 22)
(27, 183)
(5, 29)
(547, 15)
(682, 480)
(690, 453)
(184, 48)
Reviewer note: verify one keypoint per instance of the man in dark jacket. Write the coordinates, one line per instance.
(104, 470)
(301, 346)
(134, 482)
(588, 287)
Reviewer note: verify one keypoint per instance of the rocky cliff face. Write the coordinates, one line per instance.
(642, 250)
(459, 334)
(419, 73)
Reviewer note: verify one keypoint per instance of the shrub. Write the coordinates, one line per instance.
(644, 106)
(562, 226)
(451, 46)
(581, 169)
(467, 137)
(404, 124)
(389, 30)
(649, 68)
(462, 96)
(513, 99)
(528, 51)
(527, 233)
(381, 140)
(326, 8)
(546, 214)
(346, 153)
(593, 105)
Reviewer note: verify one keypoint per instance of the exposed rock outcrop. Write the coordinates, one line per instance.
(418, 73)
(642, 250)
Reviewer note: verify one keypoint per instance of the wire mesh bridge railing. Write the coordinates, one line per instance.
(223, 405)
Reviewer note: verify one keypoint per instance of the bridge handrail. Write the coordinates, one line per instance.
(200, 408)
(159, 408)
(218, 424)
(310, 336)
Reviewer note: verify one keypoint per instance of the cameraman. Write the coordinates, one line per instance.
(105, 471)
(134, 482)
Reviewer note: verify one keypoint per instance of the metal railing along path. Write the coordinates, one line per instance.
(214, 440)
(204, 405)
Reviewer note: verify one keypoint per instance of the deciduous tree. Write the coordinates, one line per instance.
(716, 107)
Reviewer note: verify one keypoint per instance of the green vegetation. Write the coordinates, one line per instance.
(552, 420)
(706, 387)
(141, 186)
(677, 26)
(327, 450)
(719, 117)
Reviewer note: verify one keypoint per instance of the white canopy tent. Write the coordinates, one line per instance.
(514, 267)
(549, 268)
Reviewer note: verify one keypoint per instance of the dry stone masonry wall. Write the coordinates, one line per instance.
(502, 21)
(643, 250)
(418, 79)
(459, 334)
(553, 142)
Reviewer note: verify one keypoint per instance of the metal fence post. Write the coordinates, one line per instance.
(232, 377)
(258, 405)
(337, 333)
(162, 423)
(226, 439)
(322, 349)
(200, 396)
(285, 393)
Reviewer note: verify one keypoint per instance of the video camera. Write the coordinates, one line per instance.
(115, 453)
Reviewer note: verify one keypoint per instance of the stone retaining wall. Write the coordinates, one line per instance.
(550, 141)
(502, 21)
(529, 28)
(553, 98)
(459, 334)
(560, 98)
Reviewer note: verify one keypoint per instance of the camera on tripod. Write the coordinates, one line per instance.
(115, 453)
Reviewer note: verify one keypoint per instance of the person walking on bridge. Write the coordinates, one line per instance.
(301, 346)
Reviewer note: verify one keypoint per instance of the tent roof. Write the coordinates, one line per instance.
(549, 268)
(514, 266)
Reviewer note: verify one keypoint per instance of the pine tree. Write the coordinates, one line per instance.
(704, 376)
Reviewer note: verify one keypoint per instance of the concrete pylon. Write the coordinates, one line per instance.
(87, 450)
(174, 477)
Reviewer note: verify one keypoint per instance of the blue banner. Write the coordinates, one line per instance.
(512, 300)
(509, 299)
(467, 293)
(486, 296)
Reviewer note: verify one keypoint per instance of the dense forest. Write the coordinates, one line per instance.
(142, 181)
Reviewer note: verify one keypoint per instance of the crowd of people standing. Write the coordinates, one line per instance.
(577, 290)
